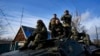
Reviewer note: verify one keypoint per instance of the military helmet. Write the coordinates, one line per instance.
(55, 14)
(39, 21)
(66, 11)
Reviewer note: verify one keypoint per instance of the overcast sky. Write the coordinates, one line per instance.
(89, 10)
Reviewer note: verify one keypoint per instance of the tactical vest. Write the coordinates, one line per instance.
(66, 20)
(53, 21)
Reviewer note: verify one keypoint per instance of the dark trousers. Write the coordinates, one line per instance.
(67, 31)
(31, 38)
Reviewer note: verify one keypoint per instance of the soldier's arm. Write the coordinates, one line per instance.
(70, 18)
(43, 30)
(62, 18)
(50, 26)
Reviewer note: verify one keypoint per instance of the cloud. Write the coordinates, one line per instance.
(14, 18)
(28, 19)
(90, 22)
(85, 16)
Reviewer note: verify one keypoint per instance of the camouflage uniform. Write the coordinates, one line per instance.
(86, 39)
(66, 18)
(74, 35)
(40, 33)
(52, 24)
(59, 30)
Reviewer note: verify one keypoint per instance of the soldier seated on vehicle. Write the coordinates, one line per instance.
(52, 25)
(85, 38)
(80, 37)
(74, 35)
(59, 30)
(66, 19)
(39, 34)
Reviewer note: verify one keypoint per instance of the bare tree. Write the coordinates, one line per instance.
(76, 23)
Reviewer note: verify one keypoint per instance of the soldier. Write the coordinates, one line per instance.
(59, 30)
(66, 19)
(85, 37)
(52, 25)
(39, 34)
(74, 35)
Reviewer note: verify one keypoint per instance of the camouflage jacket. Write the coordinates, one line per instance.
(66, 19)
(52, 23)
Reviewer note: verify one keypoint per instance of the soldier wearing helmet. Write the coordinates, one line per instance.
(66, 19)
(52, 25)
(40, 33)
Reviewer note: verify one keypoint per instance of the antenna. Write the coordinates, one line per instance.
(21, 16)
(97, 35)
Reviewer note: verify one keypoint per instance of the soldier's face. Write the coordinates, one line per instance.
(57, 22)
